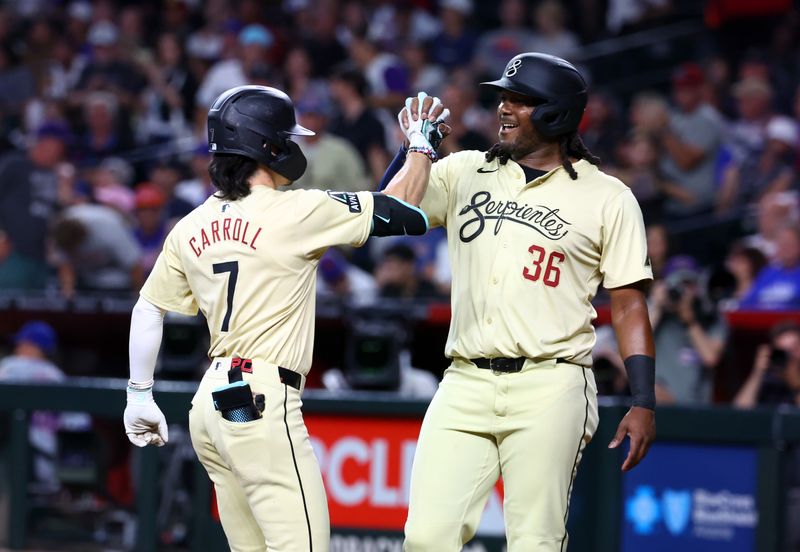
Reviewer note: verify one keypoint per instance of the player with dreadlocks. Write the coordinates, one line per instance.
(533, 228)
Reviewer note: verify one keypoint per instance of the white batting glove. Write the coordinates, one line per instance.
(418, 131)
(144, 422)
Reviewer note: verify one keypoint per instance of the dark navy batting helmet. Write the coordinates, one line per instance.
(554, 81)
(257, 122)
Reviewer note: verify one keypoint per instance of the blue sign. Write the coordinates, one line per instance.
(692, 498)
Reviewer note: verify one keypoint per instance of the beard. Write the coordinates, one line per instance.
(520, 147)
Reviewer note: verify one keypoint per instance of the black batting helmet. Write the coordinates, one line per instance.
(554, 81)
(250, 121)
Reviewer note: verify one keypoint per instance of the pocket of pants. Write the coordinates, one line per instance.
(245, 447)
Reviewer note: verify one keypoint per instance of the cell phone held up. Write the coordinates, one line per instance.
(236, 403)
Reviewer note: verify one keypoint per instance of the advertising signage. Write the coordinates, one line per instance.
(366, 465)
(691, 498)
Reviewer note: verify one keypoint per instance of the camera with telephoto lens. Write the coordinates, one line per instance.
(778, 359)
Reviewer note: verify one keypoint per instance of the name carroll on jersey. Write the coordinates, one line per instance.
(227, 229)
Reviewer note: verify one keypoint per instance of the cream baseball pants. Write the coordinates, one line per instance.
(267, 480)
(530, 427)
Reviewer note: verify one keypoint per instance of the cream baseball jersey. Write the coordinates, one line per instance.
(527, 257)
(251, 270)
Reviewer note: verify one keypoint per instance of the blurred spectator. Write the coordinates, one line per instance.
(395, 24)
(353, 22)
(253, 43)
(689, 335)
(132, 38)
(551, 35)
(96, 251)
(747, 134)
(772, 171)
(29, 199)
(31, 362)
(640, 171)
(397, 276)
(151, 227)
(717, 89)
(454, 45)
(333, 163)
(17, 82)
(460, 97)
(689, 140)
(423, 75)
(658, 250)
(385, 73)
(107, 69)
(299, 80)
(341, 280)
(207, 43)
(744, 263)
(166, 175)
(777, 287)
(168, 101)
(497, 46)
(79, 18)
(356, 122)
(34, 345)
(64, 69)
(39, 41)
(198, 188)
(775, 377)
(111, 182)
(106, 133)
(324, 49)
(602, 127)
(774, 212)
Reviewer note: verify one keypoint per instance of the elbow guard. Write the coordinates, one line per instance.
(395, 217)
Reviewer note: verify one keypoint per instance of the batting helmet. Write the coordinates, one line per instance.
(254, 121)
(554, 81)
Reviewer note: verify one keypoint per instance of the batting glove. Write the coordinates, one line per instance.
(144, 422)
(421, 131)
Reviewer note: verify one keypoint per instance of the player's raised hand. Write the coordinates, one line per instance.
(144, 422)
(640, 425)
(419, 120)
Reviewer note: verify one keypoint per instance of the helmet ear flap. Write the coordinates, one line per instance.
(289, 161)
(552, 120)
(548, 119)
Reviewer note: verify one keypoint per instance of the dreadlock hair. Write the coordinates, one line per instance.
(569, 145)
(499, 152)
(230, 173)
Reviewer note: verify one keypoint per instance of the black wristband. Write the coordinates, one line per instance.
(641, 371)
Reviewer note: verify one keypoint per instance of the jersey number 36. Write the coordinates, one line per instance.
(552, 274)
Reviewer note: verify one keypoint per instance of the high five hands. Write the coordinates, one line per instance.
(422, 122)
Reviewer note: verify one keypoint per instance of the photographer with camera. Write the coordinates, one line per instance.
(775, 378)
(689, 334)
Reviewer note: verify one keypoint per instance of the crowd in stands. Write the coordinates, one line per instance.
(103, 147)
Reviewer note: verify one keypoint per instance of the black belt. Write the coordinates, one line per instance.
(501, 364)
(290, 378)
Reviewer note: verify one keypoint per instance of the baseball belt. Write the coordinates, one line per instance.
(290, 378)
(502, 364)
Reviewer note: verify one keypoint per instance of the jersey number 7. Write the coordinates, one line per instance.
(233, 268)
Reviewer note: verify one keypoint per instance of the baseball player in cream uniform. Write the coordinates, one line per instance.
(533, 228)
(247, 259)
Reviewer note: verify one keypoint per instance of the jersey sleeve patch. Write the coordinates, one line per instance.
(347, 198)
